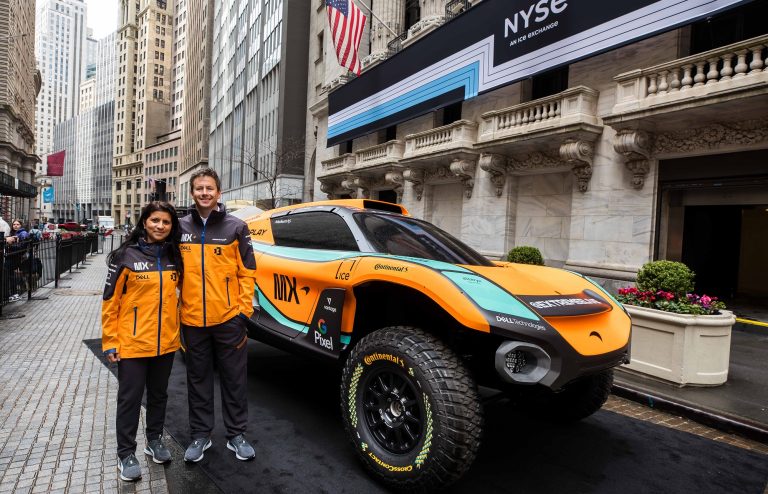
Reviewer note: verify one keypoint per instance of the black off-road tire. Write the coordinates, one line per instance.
(411, 409)
(578, 400)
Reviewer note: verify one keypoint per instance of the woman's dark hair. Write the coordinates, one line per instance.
(139, 232)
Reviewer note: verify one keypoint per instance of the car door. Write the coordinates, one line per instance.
(303, 278)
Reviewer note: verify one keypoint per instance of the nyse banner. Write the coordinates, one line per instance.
(496, 43)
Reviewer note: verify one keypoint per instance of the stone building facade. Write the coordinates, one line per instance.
(20, 84)
(196, 98)
(654, 150)
(142, 96)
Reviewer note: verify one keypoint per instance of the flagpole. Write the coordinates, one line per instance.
(380, 21)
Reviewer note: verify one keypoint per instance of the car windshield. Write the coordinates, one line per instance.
(403, 236)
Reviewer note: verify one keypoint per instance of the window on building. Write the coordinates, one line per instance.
(412, 13)
(546, 84)
(448, 114)
(345, 147)
(745, 22)
(388, 134)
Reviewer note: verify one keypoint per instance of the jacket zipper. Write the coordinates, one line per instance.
(160, 309)
(135, 316)
(202, 268)
(228, 302)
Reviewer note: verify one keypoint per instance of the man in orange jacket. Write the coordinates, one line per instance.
(216, 300)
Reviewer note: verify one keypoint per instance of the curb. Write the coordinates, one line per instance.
(737, 425)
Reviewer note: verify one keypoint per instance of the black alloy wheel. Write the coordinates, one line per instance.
(393, 412)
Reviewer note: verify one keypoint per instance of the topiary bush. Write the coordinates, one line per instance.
(668, 276)
(525, 255)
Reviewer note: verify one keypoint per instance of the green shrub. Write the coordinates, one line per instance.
(525, 255)
(667, 276)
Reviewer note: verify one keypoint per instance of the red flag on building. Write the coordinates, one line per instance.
(56, 164)
(347, 23)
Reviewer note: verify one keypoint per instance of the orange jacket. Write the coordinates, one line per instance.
(140, 308)
(219, 269)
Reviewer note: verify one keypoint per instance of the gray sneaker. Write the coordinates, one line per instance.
(242, 448)
(158, 451)
(195, 450)
(130, 469)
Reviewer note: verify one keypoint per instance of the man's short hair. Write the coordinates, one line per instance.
(204, 172)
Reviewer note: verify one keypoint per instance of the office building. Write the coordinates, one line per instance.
(258, 100)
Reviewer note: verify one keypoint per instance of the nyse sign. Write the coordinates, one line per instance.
(495, 43)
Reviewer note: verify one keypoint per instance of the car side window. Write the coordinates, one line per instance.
(313, 230)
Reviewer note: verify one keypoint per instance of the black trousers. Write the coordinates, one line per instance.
(133, 376)
(227, 343)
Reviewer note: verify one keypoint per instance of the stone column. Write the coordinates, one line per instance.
(391, 14)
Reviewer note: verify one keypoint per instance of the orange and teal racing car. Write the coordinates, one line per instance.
(419, 320)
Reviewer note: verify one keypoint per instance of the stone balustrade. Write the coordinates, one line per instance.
(574, 105)
(458, 135)
(387, 153)
(732, 67)
(340, 164)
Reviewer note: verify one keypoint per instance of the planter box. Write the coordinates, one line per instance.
(681, 348)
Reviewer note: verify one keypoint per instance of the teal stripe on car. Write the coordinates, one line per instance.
(490, 296)
(278, 316)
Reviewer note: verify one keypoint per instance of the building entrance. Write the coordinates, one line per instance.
(713, 216)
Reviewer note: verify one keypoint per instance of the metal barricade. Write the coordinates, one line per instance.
(30, 265)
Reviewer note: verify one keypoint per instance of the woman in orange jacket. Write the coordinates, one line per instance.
(140, 329)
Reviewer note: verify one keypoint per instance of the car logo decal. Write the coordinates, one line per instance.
(595, 333)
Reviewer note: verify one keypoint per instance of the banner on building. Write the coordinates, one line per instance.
(48, 195)
(496, 43)
(56, 164)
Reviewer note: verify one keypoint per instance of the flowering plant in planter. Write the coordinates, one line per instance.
(677, 335)
(690, 303)
(667, 286)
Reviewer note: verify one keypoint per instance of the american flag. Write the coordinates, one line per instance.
(347, 23)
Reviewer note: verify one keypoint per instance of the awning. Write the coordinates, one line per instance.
(11, 186)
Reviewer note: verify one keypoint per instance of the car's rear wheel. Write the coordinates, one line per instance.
(410, 408)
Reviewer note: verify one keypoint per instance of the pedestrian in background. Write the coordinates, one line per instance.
(216, 301)
(5, 228)
(140, 329)
(14, 259)
(18, 233)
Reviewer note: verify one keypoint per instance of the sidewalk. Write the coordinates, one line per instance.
(57, 402)
(740, 405)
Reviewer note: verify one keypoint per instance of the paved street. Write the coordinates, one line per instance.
(57, 402)
(57, 429)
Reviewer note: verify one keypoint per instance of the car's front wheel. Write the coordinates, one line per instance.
(410, 408)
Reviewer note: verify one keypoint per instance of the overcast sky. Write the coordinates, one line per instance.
(102, 17)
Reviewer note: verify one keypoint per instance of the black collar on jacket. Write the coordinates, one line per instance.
(214, 217)
(153, 249)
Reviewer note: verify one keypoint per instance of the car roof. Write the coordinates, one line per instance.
(360, 204)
